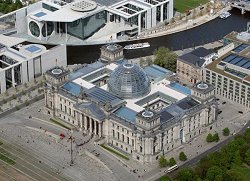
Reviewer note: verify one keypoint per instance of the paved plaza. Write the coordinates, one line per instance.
(30, 130)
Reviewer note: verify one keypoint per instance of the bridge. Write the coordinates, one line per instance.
(242, 5)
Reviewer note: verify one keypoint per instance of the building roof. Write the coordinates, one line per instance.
(196, 56)
(156, 72)
(126, 113)
(129, 81)
(178, 109)
(107, 2)
(96, 112)
(99, 95)
(9, 41)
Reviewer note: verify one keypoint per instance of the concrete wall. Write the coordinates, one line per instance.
(49, 58)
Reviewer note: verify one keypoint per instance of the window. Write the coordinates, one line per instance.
(123, 137)
(34, 29)
(113, 133)
(118, 135)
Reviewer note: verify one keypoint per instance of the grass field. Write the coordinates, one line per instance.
(183, 5)
(115, 152)
(7, 159)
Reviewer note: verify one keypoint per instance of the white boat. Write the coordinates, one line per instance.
(137, 46)
(225, 15)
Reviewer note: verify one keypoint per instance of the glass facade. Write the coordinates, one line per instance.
(129, 81)
(84, 28)
(34, 29)
(50, 29)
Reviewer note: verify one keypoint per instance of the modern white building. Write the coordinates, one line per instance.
(22, 62)
(230, 74)
(55, 21)
(136, 111)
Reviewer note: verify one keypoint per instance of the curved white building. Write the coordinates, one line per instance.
(72, 22)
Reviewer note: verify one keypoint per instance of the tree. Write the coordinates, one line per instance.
(165, 58)
(216, 137)
(172, 162)
(210, 138)
(182, 156)
(226, 131)
(237, 158)
(186, 174)
(214, 172)
(247, 157)
(164, 178)
(235, 175)
(163, 162)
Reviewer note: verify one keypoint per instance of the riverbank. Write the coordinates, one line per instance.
(182, 25)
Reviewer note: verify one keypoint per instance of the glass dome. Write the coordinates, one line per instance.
(129, 81)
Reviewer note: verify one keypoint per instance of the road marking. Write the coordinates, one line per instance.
(8, 175)
(19, 170)
(29, 163)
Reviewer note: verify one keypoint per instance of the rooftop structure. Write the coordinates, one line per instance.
(230, 73)
(129, 81)
(86, 21)
(130, 108)
(22, 62)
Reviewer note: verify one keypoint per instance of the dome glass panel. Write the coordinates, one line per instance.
(129, 81)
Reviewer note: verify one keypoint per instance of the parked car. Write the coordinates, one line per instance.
(240, 112)
(224, 102)
(62, 136)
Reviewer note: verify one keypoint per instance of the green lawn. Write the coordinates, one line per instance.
(7, 159)
(59, 123)
(244, 171)
(115, 152)
(184, 5)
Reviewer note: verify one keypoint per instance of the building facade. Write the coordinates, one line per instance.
(50, 21)
(134, 110)
(190, 66)
(230, 74)
(22, 62)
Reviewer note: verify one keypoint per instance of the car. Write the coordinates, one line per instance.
(219, 112)
(62, 135)
(224, 102)
(217, 99)
(240, 112)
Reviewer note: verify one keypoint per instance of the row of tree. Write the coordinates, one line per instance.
(7, 6)
(163, 162)
(223, 165)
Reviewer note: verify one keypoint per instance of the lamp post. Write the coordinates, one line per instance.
(71, 148)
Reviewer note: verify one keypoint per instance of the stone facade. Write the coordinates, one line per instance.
(151, 135)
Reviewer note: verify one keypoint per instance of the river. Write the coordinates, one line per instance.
(211, 31)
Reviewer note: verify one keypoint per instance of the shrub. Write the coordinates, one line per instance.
(182, 156)
(172, 162)
(163, 162)
(226, 131)
(210, 138)
(216, 137)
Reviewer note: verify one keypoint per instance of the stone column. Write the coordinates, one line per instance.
(162, 13)
(90, 125)
(96, 125)
(13, 77)
(80, 119)
(85, 122)
(139, 24)
(100, 129)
